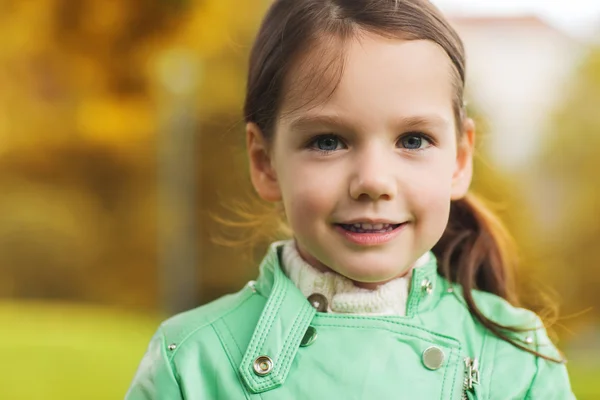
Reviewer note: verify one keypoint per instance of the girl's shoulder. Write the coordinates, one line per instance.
(194, 338)
(530, 330)
(189, 325)
(499, 360)
(502, 311)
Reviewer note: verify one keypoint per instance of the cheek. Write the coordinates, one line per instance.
(432, 191)
(432, 201)
(307, 194)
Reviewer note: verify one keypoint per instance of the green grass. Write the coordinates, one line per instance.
(585, 378)
(63, 351)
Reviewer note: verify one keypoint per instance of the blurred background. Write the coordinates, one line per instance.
(121, 139)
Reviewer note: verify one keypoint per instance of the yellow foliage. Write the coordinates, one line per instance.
(215, 26)
(120, 121)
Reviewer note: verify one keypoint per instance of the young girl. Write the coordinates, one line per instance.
(395, 284)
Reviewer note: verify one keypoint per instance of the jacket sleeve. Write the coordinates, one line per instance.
(551, 380)
(155, 378)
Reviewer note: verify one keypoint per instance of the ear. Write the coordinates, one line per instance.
(262, 173)
(463, 173)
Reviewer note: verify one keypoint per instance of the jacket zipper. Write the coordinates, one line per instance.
(471, 376)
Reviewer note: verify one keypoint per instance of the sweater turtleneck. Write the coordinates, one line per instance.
(341, 294)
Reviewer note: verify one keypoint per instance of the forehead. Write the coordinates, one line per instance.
(370, 77)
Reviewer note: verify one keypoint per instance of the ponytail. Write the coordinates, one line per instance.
(477, 252)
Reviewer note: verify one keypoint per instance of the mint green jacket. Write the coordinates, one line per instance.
(268, 342)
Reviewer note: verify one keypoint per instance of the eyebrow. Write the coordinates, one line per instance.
(432, 121)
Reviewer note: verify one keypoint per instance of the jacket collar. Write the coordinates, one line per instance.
(287, 315)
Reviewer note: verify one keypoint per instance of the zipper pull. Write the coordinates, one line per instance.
(472, 372)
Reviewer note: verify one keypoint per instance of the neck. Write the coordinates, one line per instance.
(319, 266)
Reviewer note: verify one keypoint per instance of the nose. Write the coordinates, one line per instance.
(373, 176)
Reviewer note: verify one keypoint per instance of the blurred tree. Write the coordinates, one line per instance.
(79, 113)
(74, 225)
(570, 188)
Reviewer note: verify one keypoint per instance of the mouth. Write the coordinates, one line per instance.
(373, 233)
(367, 228)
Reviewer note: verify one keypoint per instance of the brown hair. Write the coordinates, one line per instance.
(474, 249)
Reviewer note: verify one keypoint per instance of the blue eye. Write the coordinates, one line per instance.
(414, 141)
(326, 143)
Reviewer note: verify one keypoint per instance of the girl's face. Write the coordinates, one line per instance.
(366, 177)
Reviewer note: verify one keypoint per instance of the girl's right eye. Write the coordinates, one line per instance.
(326, 143)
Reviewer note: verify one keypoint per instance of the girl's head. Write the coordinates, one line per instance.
(356, 123)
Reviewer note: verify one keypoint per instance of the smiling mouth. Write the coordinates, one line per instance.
(369, 228)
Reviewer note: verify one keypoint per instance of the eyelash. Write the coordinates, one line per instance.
(312, 142)
(421, 135)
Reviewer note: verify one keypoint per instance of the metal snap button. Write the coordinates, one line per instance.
(433, 358)
(263, 365)
(427, 286)
(318, 301)
(309, 337)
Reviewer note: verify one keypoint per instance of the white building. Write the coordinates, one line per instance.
(517, 71)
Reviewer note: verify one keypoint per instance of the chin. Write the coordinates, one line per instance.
(379, 274)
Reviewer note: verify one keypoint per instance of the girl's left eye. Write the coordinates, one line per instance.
(415, 141)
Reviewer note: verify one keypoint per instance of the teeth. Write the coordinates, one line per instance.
(371, 227)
